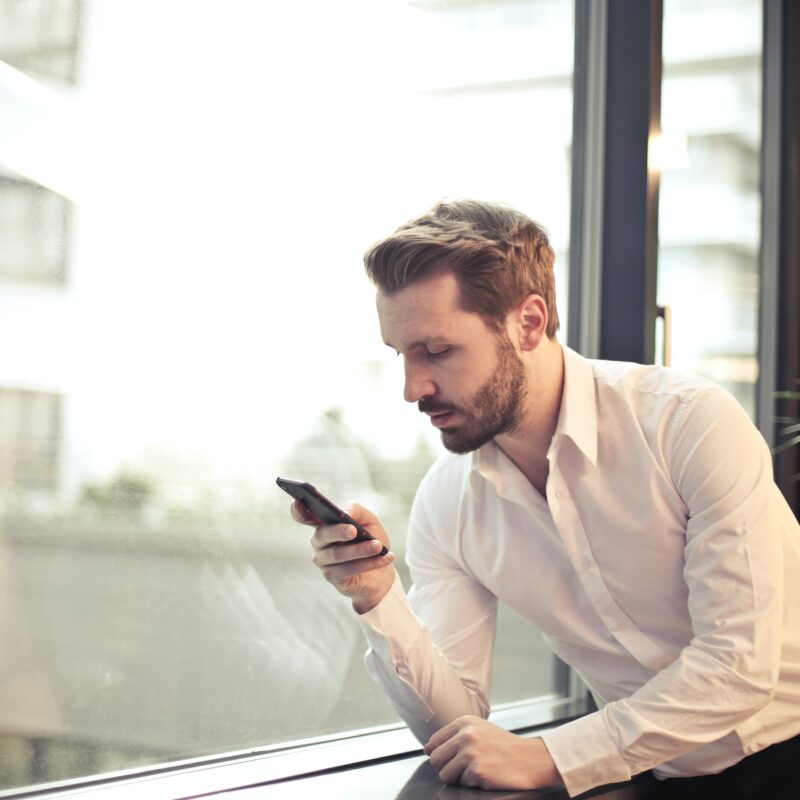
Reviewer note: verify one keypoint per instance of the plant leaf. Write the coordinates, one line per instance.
(786, 445)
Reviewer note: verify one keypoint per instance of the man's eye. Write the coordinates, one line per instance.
(438, 353)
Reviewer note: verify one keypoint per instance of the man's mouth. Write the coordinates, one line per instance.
(439, 419)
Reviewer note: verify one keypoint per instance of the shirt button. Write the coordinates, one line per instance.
(584, 564)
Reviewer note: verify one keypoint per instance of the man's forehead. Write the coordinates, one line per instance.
(423, 313)
(412, 324)
(439, 290)
(432, 298)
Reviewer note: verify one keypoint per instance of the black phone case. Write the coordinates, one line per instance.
(323, 509)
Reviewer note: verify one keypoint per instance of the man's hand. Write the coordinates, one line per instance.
(355, 569)
(474, 752)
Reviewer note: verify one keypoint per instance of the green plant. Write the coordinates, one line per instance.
(123, 493)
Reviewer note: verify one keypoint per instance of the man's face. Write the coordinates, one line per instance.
(466, 377)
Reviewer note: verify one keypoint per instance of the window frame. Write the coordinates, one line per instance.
(290, 760)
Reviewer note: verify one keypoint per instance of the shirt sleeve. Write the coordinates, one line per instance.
(431, 652)
(734, 575)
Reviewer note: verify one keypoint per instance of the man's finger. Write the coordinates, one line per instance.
(455, 769)
(327, 535)
(338, 573)
(302, 515)
(452, 759)
(443, 734)
(442, 755)
(341, 553)
(360, 514)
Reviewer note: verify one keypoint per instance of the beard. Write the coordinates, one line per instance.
(496, 408)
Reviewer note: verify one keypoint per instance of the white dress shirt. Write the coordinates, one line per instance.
(663, 566)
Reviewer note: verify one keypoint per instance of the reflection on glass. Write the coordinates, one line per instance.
(192, 320)
(709, 219)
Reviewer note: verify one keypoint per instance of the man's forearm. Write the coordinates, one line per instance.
(424, 686)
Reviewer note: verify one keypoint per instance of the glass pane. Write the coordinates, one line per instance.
(709, 220)
(227, 164)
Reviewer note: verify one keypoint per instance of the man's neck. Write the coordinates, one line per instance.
(528, 445)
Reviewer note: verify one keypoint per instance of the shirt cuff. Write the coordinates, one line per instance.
(585, 754)
(387, 659)
(391, 627)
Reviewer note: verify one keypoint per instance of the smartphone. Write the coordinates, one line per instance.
(323, 509)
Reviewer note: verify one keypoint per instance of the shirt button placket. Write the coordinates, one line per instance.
(564, 518)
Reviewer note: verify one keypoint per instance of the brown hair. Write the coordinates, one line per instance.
(498, 255)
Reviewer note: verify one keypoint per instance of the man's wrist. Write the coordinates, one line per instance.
(551, 774)
(362, 605)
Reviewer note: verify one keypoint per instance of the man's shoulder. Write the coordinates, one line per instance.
(445, 485)
(661, 401)
(449, 470)
(440, 495)
(625, 377)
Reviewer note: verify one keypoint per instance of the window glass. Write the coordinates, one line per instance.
(225, 165)
(709, 220)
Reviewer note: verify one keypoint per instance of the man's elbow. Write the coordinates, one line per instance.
(756, 687)
(739, 679)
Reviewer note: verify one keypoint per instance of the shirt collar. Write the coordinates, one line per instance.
(577, 418)
(482, 463)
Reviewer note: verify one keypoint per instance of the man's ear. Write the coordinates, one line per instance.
(531, 320)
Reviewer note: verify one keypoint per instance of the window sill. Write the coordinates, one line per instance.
(209, 776)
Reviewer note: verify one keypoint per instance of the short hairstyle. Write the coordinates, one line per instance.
(498, 255)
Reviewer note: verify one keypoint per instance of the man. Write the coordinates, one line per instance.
(626, 511)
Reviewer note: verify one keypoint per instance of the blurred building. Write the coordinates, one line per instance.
(41, 41)
(709, 200)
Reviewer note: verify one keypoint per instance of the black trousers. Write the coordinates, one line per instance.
(770, 774)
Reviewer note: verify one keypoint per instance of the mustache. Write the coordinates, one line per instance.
(429, 406)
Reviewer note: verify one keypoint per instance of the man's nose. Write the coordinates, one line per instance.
(418, 384)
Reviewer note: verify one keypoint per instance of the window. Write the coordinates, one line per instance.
(234, 161)
(41, 36)
(30, 438)
(710, 205)
(34, 226)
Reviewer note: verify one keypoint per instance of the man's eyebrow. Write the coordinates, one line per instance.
(433, 340)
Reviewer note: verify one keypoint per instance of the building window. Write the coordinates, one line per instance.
(30, 439)
(42, 37)
(34, 233)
